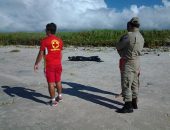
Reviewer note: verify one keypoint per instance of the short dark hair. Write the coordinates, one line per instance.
(51, 27)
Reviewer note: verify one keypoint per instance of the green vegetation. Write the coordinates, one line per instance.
(153, 38)
(20, 38)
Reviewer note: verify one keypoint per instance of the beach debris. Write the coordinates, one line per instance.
(148, 84)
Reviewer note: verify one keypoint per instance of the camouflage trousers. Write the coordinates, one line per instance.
(129, 81)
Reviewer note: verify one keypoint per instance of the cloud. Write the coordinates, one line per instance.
(166, 3)
(134, 9)
(31, 15)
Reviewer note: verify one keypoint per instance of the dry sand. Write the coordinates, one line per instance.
(89, 90)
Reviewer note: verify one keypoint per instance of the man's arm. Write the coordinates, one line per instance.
(39, 58)
(124, 40)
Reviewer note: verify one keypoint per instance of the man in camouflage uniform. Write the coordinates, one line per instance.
(129, 48)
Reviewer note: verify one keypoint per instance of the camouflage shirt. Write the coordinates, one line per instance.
(130, 45)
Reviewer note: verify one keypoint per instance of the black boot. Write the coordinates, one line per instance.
(127, 108)
(134, 103)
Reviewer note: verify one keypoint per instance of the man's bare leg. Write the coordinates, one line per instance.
(59, 90)
(51, 89)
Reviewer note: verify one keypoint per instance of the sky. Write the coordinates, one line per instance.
(33, 15)
(121, 4)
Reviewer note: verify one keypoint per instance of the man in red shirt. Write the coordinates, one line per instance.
(53, 62)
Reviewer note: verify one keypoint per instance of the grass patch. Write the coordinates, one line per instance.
(93, 38)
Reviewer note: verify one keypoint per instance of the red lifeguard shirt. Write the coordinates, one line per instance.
(54, 46)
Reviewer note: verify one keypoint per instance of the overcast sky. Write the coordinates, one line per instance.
(33, 15)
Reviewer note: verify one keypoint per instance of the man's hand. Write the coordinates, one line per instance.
(36, 67)
(39, 57)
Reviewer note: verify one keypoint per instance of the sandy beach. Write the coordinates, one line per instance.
(89, 90)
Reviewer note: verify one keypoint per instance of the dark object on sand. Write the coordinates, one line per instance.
(83, 58)
(15, 50)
